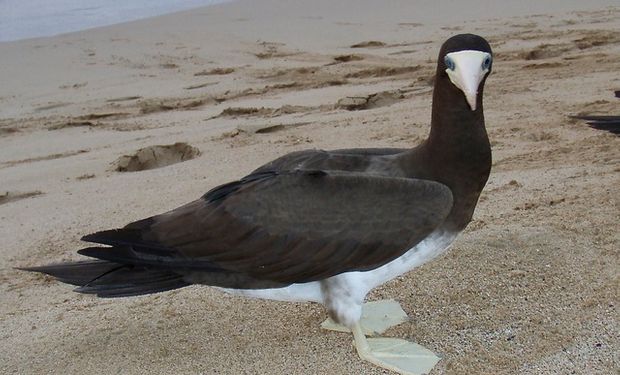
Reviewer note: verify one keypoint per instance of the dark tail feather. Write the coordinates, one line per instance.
(75, 273)
(109, 279)
(608, 123)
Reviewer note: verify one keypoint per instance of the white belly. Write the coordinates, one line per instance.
(429, 248)
(357, 284)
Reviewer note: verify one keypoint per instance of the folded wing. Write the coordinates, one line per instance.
(276, 228)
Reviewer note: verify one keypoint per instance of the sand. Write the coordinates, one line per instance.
(531, 287)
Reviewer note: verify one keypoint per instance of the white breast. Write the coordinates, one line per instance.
(432, 246)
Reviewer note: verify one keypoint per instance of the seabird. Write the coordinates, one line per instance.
(314, 225)
(611, 123)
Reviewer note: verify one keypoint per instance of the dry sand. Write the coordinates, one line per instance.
(531, 287)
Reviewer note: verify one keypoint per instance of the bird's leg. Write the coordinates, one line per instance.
(401, 356)
(377, 317)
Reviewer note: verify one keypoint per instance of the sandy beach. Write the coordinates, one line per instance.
(531, 287)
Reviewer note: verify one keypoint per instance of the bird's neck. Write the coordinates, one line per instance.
(456, 131)
(458, 151)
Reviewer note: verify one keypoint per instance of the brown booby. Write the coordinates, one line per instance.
(314, 225)
(610, 123)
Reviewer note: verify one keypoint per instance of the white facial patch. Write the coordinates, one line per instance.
(466, 70)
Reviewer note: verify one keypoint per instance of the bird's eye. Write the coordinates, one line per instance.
(449, 62)
(486, 63)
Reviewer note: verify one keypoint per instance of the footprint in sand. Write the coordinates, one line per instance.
(12, 196)
(596, 38)
(156, 157)
(383, 71)
(347, 58)
(544, 65)
(369, 44)
(49, 106)
(545, 51)
(236, 112)
(200, 85)
(215, 71)
(11, 163)
(169, 104)
(8, 130)
(123, 99)
(73, 86)
(380, 99)
(272, 50)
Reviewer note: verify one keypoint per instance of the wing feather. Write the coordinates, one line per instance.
(288, 226)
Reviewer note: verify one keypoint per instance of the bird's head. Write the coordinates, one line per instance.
(466, 60)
